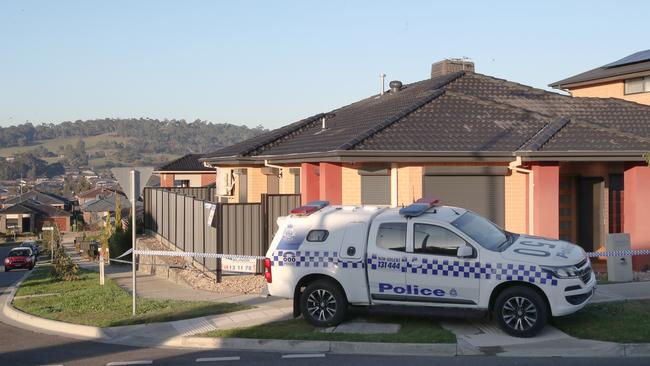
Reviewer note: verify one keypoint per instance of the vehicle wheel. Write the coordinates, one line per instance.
(521, 311)
(6, 269)
(323, 304)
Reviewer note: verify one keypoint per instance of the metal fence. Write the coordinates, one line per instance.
(195, 225)
(201, 193)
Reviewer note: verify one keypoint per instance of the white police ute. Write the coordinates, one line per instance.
(328, 257)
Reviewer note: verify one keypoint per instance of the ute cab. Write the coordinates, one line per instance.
(328, 257)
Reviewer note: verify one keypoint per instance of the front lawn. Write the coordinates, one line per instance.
(86, 302)
(412, 330)
(625, 322)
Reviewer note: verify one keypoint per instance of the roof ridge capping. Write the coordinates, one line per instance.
(544, 134)
(435, 91)
(265, 138)
(291, 129)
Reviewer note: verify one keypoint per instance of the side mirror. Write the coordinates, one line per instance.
(465, 251)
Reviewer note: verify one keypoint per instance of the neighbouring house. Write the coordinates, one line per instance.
(186, 171)
(627, 78)
(43, 197)
(30, 216)
(96, 193)
(95, 212)
(531, 160)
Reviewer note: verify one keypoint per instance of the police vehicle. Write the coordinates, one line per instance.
(328, 257)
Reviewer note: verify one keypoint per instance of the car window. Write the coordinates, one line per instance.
(436, 240)
(392, 236)
(19, 253)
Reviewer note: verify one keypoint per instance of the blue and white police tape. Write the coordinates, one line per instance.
(169, 253)
(235, 257)
(619, 253)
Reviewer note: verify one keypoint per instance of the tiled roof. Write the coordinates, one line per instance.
(34, 207)
(636, 62)
(94, 192)
(187, 163)
(460, 112)
(106, 204)
(43, 197)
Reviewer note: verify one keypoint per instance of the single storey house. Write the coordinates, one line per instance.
(627, 78)
(43, 197)
(31, 215)
(186, 171)
(95, 212)
(531, 160)
(95, 194)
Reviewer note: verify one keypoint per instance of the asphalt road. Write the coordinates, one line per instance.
(22, 347)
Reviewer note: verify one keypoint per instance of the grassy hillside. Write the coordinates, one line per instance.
(53, 144)
(113, 142)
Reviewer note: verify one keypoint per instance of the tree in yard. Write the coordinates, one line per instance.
(118, 213)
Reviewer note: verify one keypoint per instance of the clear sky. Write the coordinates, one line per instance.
(274, 62)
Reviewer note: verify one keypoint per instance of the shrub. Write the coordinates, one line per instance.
(120, 242)
(63, 268)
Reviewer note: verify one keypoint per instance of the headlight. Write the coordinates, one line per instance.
(7, 260)
(562, 272)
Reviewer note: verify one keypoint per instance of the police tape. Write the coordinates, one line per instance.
(169, 253)
(235, 257)
(619, 253)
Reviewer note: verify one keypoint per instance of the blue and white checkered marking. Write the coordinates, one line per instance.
(466, 269)
(433, 267)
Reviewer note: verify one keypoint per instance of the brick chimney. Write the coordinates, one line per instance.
(449, 66)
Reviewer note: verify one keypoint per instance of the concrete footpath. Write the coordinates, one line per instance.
(473, 337)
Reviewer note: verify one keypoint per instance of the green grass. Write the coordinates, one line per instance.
(86, 302)
(625, 322)
(413, 330)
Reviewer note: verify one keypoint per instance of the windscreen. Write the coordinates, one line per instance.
(482, 230)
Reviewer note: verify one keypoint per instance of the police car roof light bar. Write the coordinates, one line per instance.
(304, 210)
(419, 207)
(319, 204)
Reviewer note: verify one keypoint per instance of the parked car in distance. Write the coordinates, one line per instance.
(20, 257)
(33, 245)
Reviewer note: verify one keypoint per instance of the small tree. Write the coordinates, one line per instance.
(63, 268)
(646, 156)
(118, 213)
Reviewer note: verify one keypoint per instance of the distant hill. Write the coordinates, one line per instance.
(115, 141)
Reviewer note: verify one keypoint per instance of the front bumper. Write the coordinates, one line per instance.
(572, 295)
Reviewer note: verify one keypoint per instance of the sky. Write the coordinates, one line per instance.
(271, 63)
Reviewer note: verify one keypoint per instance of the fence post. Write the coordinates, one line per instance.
(219, 217)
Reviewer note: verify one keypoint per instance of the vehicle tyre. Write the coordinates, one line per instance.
(521, 311)
(323, 304)
(6, 269)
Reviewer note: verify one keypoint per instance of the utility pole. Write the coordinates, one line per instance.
(133, 228)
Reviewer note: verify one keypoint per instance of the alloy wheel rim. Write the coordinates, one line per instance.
(321, 305)
(519, 313)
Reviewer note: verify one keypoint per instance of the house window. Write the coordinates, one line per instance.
(637, 85)
(182, 183)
